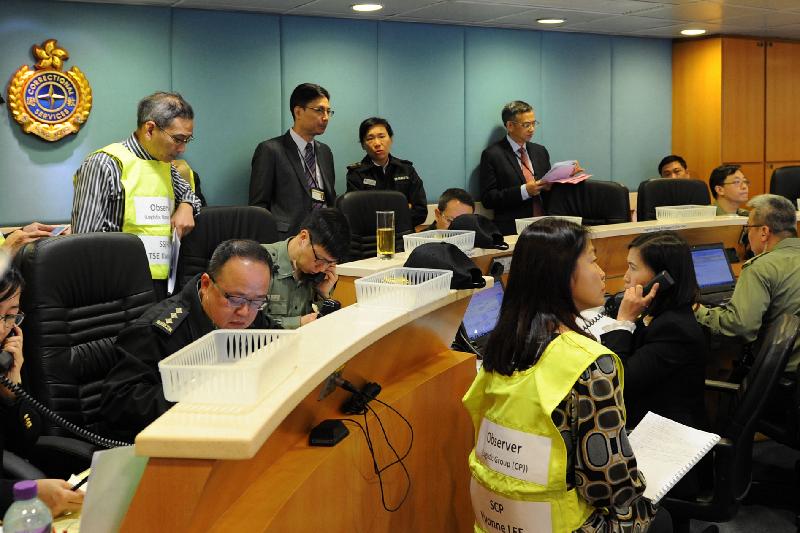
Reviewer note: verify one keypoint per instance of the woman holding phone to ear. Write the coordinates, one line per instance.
(662, 347)
(15, 436)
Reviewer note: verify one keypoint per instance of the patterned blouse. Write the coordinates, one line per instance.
(604, 469)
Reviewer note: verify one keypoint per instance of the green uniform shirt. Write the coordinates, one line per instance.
(768, 286)
(741, 212)
(289, 298)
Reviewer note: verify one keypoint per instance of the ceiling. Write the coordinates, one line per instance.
(643, 18)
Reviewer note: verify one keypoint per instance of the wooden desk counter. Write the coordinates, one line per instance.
(252, 469)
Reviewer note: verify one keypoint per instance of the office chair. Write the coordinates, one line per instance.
(732, 457)
(598, 202)
(657, 192)
(359, 209)
(785, 181)
(217, 224)
(80, 291)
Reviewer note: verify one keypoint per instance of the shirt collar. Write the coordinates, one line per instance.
(299, 141)
(282, 260)
(132, 144)
(514, 145)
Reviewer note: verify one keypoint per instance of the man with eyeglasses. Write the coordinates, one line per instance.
(511, 169)
(452, 204)
(730, 190)
(305, 267)
(769, 284)
(230, 294)
(132, 186)
(293, 174)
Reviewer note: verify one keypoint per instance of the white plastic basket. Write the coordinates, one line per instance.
(229, 366)
(403, 288)
(523, 223)
(678, 213)
(464, 239)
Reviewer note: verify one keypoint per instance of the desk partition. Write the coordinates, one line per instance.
(251, 469)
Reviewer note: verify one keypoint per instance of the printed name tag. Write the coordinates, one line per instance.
(400, 178)
(497, 514)
(514, 453)
(370, 181)
(317, 194)
(158, 249)
(152, 210)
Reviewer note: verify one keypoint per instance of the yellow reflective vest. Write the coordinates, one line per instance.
(519, 463)
(149, 203)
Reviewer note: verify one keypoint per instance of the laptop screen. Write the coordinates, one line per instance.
(483, 311)
(711, 267)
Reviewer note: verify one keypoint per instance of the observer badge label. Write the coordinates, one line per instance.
(46, 101)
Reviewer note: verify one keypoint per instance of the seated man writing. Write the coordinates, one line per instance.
(452, 203)
(305, 267)
(229, 295)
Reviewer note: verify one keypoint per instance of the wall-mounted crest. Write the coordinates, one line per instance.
(46, 101)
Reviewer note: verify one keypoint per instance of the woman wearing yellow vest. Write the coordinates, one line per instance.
(551, 451)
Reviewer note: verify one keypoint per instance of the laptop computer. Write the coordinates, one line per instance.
(481, 316)
(714, 273)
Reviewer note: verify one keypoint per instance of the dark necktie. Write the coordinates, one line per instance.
(311, 172)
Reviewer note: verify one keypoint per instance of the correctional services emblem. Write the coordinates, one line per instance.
(46, 101)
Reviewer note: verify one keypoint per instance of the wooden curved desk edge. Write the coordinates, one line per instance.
(289, 486)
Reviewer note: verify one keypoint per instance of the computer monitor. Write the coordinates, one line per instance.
(712, 269)
(483, 311)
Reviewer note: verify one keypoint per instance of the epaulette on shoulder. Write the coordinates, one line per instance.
(355, 166)
(170, 319)
(404, 161)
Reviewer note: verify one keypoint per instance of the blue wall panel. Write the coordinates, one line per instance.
(123, 51)
(500, 66)
(641, 108)
(576, 108)
(603, 100)
(340, 55)
(234, 86)
(421, 93)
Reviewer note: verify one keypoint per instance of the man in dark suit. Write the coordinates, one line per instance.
(512, 168)
(293, 174)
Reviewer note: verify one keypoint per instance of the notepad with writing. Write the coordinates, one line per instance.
(666, 450)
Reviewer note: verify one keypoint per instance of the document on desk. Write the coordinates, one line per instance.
(561, 172)
(115, 477)
(666, 450)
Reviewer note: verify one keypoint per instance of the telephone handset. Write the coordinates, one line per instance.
(6, 358)
(663, 279)
(317, 278)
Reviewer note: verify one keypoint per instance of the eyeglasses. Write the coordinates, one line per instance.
(240, 301)
(748, 226)
(322, 110)
(177, 140)
(13, 319)
(737, 183)
(528, 125)
(317, 259)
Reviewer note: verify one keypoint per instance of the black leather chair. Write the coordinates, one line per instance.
(669, 191)
(598, 202)
(80, 291)
(732, 456)
(786, 182)
(217, 224)
(359, 208)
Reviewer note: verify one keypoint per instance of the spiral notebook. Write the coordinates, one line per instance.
(666, 450)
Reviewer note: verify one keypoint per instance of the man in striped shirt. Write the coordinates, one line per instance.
(165, 122)
(133, 187)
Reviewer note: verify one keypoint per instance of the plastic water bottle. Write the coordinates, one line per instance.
(28, 514)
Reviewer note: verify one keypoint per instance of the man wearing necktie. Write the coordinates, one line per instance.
(511, 170)
(293, 174)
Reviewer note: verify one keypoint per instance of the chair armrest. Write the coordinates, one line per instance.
(61, 457)
(15, 467)
(721, 386)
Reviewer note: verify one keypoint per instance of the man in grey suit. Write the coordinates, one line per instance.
(293, 174)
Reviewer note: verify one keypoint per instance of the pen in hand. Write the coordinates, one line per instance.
(80, 484)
